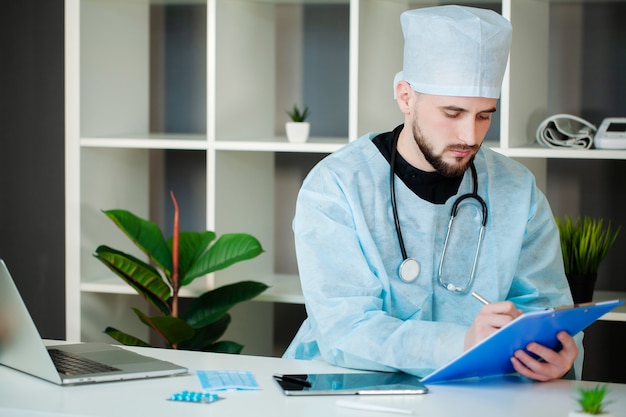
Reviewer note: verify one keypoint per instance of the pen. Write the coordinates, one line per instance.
(371, 407)
(297, 381)
(480, 298)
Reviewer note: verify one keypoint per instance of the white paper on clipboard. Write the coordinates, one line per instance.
(492, 356)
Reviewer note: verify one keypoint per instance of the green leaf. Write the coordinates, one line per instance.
(591, 400)
(172, 329)
(124, 338)
(146, 235)
(144, 278)
(297, 115)
(191, 246)
(212, 305)
(227, 250)
(226, 346)
(584, 243)
(206, 336)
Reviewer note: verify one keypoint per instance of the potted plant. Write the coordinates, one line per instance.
(298, 128)
(591, 402)
(176, 262)
(584, 244)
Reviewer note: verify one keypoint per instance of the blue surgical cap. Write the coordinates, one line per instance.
(455, 51)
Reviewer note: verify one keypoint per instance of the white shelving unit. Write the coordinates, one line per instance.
(135, 130)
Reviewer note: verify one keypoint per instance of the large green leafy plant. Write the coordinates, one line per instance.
(176, 262)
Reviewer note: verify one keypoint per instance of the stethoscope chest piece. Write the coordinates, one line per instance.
(409, 270)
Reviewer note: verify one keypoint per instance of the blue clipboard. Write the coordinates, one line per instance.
(492, 356)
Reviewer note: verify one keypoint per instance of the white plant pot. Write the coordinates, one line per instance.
(297, 132)
(581, 414)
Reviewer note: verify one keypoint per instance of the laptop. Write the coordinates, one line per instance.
(22, 348)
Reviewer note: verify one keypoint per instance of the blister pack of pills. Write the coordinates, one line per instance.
(195, 397)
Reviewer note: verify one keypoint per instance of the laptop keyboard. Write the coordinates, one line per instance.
(68, 363)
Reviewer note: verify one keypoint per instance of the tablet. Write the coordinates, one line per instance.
(370, 383)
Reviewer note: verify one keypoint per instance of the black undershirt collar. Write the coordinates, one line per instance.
(430, 186)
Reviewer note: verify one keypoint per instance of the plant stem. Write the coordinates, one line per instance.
(175, 237)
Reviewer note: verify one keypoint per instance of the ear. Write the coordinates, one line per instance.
(404, 93)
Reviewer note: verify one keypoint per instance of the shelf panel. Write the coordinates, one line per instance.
(199, 142)
(538, 151)
(148, 141)
(280, 144)
(619, 313)
(284, 288)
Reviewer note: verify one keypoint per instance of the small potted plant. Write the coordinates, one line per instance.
(584, 243)
(591, 402)
(298, 128)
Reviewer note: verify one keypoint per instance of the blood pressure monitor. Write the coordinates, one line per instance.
(611, 134)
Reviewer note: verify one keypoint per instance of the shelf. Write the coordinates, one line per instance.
(538, 151)
(284, 288)
(135, 67)
(619, 313)
(199, 142)
(280, 144)
(150, 141)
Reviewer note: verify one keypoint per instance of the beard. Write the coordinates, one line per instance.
(436, 160)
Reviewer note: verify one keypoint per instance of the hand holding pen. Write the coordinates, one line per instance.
(489, 319)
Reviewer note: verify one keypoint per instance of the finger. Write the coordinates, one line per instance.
(493, 320)
(502, 307)
(549, 365)
(533, 368)
(521, 368)
(564, 358)
(546, 354)
(569, 345)
(569, 351)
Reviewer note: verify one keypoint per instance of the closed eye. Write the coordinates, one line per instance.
(452, 115)
(453, 112)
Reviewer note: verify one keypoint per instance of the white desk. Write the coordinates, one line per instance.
(22, 395)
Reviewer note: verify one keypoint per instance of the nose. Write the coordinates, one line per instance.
(472, 131)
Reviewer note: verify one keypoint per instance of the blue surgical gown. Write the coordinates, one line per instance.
(361, 315)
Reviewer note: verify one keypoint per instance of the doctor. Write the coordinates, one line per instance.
(387, 285)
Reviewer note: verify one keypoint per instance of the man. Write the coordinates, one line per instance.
(386, 286)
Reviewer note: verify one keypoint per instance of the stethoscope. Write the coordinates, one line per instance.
(409, 268)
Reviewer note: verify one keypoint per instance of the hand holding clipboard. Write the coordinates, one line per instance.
(492, 356)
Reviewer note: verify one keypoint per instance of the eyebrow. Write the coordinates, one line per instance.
(461, 109)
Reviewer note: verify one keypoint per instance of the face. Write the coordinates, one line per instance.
(449, 131)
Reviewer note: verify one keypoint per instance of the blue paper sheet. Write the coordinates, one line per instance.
(227, 380)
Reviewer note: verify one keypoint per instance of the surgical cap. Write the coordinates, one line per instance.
(455, 51)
